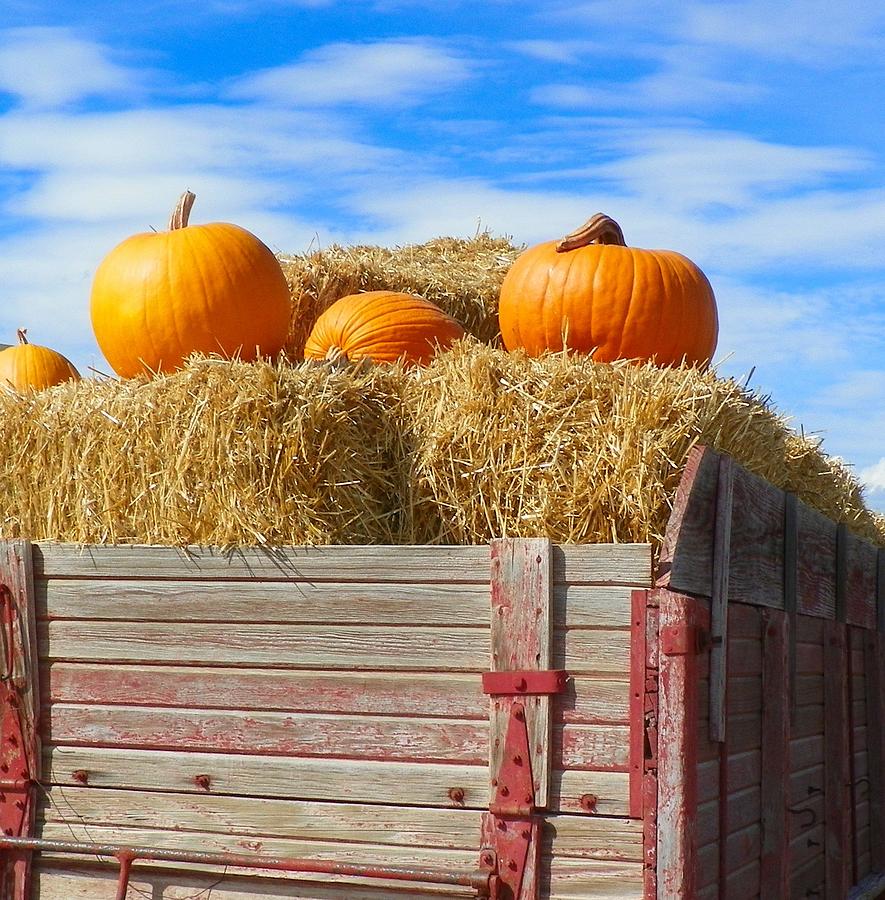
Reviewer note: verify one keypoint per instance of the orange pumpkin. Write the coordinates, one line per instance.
(30, 366)
(383, 326)
(591, 292)
(160, 296)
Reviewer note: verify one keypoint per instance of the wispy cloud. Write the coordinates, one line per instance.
(51, 67)
(385, 73)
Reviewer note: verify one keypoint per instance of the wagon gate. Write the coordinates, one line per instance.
(517, 720)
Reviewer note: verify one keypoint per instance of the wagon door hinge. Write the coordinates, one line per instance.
(511, 827)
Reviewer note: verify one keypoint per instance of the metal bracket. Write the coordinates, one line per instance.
(682, 640)
(529, 681)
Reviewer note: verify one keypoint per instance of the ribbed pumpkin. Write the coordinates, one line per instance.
(383, 326)
(160, 296)
(591, 292)
(29, 366)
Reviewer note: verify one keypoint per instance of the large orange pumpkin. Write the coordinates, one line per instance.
(591, 292)
(30, 366)
(383, 326)
(160, 296)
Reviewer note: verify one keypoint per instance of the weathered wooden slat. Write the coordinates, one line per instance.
(628, 564)
(817, 564)
(677, 735)
(363, 781)
(686, 557)
(61, 879)
(874, 645)
(312, 603)
(719, 599)
(589, 700)
(596, 837)
(838, 775)
(20, 753)
(860, 582)
(454, 648)
(775, 860)
(334, 735)
(743, 772)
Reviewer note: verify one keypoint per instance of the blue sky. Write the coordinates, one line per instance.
(748, 135)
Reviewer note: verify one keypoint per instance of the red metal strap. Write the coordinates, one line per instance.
(527, 681)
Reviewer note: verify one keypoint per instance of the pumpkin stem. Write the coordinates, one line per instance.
(22, 335)
(182, 211)
(600, 229)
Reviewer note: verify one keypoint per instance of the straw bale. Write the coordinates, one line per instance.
(223, 453)
(584, 452)
(479, 444)
(462, 276)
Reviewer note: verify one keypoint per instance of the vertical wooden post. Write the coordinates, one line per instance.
(775, 863)
(837, 796)
(719, 599)
(521, 597)
(683, 622)
(791, 589)
(20, 713)
(874, 700)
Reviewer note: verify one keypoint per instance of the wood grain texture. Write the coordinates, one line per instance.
(589, 700)
(304, 603)
(594, 837)
(686, 557)
(677, 770)
(722, 541)
(612, 564)
(817, 563)
(837, 764)
(774, 856)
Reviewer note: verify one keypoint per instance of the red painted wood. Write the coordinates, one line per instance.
(837, 771)
(650, 763)
(639, 600)
(677, 750)
(20, 756)
(775, 856)
(874, 644)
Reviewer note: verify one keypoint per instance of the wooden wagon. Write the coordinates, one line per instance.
(517, 720)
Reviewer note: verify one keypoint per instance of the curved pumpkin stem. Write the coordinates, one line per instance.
(22, 334)
(182, 211)
(599, 229)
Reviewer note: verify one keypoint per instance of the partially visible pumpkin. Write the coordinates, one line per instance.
(160, 296)
(384, 326)
(30, 366)
(591, 292)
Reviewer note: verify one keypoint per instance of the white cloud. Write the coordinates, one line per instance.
(385, 73)
(874, 476)
(50, 67)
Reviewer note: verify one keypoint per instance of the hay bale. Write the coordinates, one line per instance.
(480, 444)
(463, 277)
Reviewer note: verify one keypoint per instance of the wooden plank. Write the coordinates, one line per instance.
(331, 735)
(677, 735)
(590, 700)
(838, 775)
(775, 859)
(757, 573)
(362, 781)
(580, 837)
(303, 603)
(62, 879)
(686, 557)
(719, 600)
(860, 584)
(454, 648)
(626, 564)
(817, 563)
(20, 697)
(521, 631)
(874, 644)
